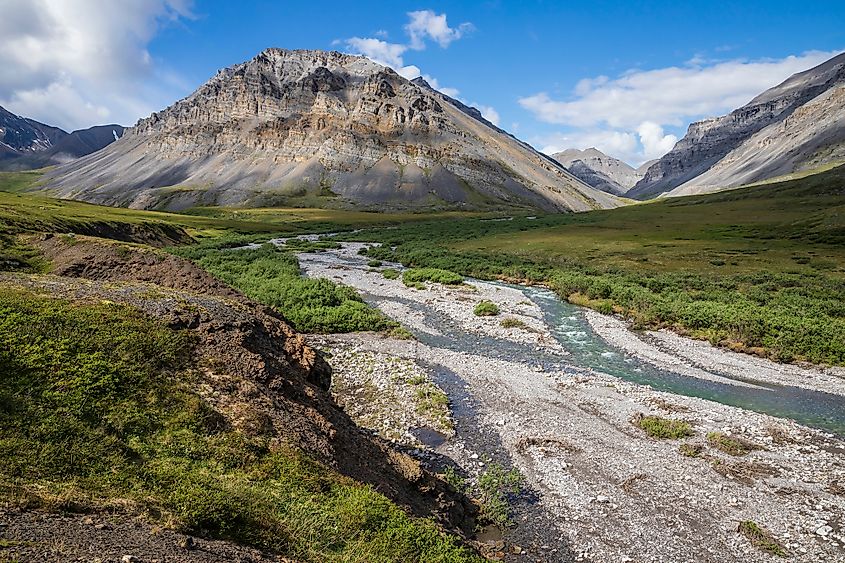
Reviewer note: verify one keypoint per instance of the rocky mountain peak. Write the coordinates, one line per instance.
(599, 170)
(291, 124)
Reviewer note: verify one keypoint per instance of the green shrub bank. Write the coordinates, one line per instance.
(757, 269)
(95, 405)
(271, 275)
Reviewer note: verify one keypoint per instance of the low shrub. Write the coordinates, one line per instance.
(511, 322)
(486, 309)
(390, 274)
(663, 428)
(732, 445)
(496, 487)
(271, 275)
(690, 450)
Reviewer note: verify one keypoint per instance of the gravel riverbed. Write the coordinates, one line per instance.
(598, 488)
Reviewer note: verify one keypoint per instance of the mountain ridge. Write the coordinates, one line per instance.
(600, 170)
(27, 144)
(301, 123)
(709, 141)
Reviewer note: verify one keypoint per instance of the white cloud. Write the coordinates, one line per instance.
(627, 116)
(75, 63)
(425, 24)
(667, 96)
(488, 112)
(382, 52)
(654, 141)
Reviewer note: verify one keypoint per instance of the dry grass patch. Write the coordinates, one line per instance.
(732, 445)
(761, 538)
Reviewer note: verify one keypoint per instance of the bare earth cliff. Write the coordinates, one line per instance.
(312, 123)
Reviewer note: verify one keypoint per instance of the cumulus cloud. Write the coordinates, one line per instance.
(382, 52)
(640, 103)
(425, 24)
(653, 140)
(422, 25)
(74, 63)
(668, 96)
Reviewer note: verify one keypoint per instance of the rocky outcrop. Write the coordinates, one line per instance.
(26, 144)
(777, 110)
(294, 124)
(599, 170)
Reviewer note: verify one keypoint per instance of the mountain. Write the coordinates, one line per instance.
(26, 144)
(797, 124)
(599, 170)
(288, 125)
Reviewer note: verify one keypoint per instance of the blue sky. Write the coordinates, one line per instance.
(627, 77)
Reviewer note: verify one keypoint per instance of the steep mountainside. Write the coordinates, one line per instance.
(294, 124)
(599, 170)
(21, 135)
(798, 122)
(26, 144)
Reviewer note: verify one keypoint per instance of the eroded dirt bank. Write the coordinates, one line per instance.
(601, 489)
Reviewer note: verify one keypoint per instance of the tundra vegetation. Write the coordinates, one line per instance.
(759, 269)
(98, 404)
(270, 274)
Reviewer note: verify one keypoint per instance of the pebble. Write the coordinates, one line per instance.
(824, 530)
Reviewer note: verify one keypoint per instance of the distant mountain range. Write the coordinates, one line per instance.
(26, 144)
(306, 124)
(601, 171)
(797, 125)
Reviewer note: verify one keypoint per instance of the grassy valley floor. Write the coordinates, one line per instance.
(759, 270)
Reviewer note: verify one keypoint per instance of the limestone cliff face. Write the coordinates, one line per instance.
(708, 142)
(290, 124)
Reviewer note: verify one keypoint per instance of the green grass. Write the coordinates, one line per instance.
(97, 408)
(271, 276)
(496, 487)
(486, 309)
(511, 322)
(414, 277)
(690, 450)
(761, 538)
(390, 274)
(663, 428)
(758, 269)
(15, 182)
(18, 256)
(730, 444)
(35, 212)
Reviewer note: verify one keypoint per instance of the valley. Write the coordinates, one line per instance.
(558, 400)
(321, 306)
(556, 393)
